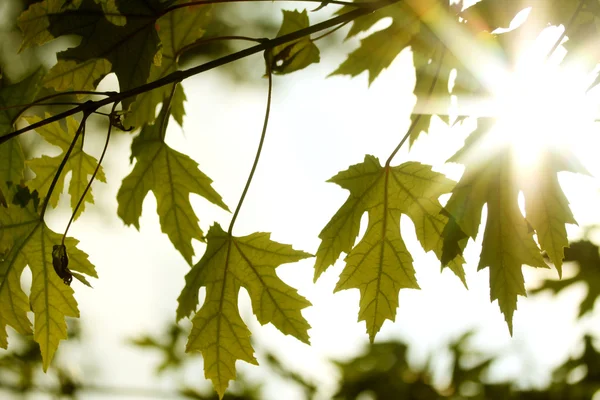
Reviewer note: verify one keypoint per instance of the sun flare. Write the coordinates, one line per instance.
(541, 105)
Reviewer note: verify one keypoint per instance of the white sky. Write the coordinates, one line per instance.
(318, 127)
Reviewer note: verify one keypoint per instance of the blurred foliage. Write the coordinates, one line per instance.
(587, 257)
(383, 371)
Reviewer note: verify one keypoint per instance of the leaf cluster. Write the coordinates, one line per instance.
(141, 42)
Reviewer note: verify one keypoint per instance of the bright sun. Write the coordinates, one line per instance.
(541, 105)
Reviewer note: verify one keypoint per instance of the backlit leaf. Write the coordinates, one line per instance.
(70, 75)
(31, 243)
(176, 30)
(171, 176)
(380, 265)
(80, 164)
(297, 54)
(508, 240)
(228, 264)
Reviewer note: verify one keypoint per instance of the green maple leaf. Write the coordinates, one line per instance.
(27, 241)
(297, 54)
(228, 264)
(171, 176)
(130, 49)
(586, 255)
(80, 164)
(377, 51)
(546, 206)
(508, 239)
(380, 265)
(12, 160)
(176, 30)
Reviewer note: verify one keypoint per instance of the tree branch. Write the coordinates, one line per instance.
(178, 76)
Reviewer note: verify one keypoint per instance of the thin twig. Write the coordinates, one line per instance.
(62, 165)
(203, 41)
(364, 4)
(260, 146)
(165, 120)
(53, 96)
(418, 118)
(178, 76)
(331, 31)
(89, 185)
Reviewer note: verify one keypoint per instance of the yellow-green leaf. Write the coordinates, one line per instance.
(70, 75)
(80, 164)
(546, 206)
(297, 54)
(380, 265)
(229, 263)
(176, 30)
(171, 176)
(377, 51)
(30, 243)
(490, 178)
(34, 22)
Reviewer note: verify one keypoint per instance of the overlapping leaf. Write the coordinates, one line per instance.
(412, 26)
(26, 241)
(508, 239)
(380, 265)
(12, 160)
(80, 164)
(228, 264)
(171, 176)
(176, 30)
(297, 54)
(130, 49)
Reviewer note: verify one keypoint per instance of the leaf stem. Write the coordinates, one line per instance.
(260, 146)
(178, 76)
(418, 118)
(204, 41)
(39, 102)
(89, 185)
(331, 31)
(62, 164)
(165, 119)
(364, 4)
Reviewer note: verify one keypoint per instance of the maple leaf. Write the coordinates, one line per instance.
(171, 176)
(380, 265)
(508, 239)
(546, 206)
(586, 254)
(27, 241)
(377, 51)
(130, 49)
(297, 54)
(80, 164)
(177, 30)
(228, 264)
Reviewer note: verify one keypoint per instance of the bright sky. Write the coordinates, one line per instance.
(318, 127)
